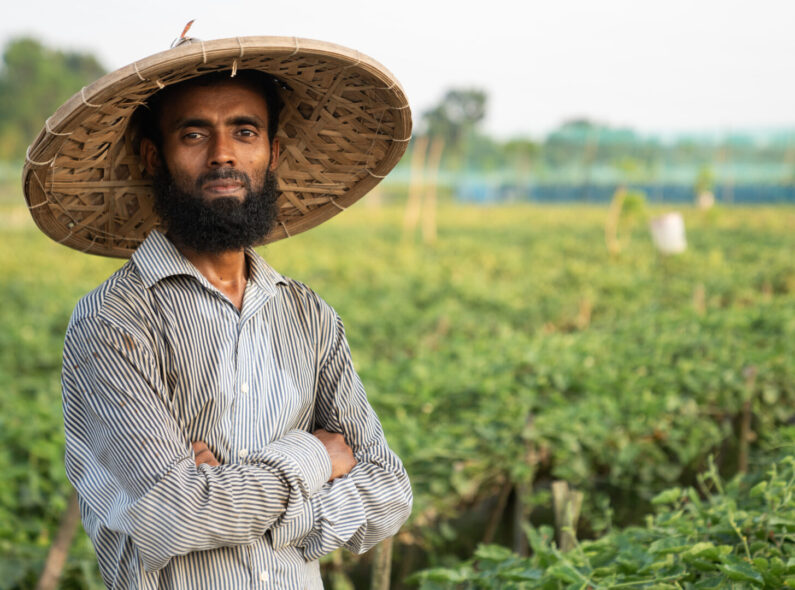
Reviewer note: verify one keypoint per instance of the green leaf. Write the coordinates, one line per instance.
(495, 553)
(442, 575)
(704, 550)
(742, 572)
(777, 566)
(668, 545)
(758, 490)
(565, 573)
(710, 582)
(522, 574)
(702, 565)
(668, 496)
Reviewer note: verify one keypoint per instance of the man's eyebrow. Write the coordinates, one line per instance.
(252, 120)
(236, 120)
(191, 122)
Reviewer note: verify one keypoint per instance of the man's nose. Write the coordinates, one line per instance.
(221, 152)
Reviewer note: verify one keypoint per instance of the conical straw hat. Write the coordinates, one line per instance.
(344, 126)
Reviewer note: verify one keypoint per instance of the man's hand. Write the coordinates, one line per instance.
(341, 455)
(204, 454)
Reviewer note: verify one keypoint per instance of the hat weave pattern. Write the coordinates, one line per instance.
(344, 126)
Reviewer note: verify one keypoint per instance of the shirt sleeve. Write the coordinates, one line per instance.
(374, 499)
(133, 466)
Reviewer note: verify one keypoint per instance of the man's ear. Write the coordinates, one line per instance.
(149, 155)
(274, 154)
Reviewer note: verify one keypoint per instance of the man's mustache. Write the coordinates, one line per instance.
(224, 174)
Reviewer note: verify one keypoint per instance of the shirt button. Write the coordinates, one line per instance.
(242, 453)
(244, 388)
(263, 576)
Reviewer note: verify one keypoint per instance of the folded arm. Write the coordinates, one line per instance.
(371, 502)
(132, 464)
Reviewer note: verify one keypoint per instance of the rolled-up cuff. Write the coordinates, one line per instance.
(306, 450)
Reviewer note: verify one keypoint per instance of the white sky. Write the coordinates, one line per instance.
(663, 66)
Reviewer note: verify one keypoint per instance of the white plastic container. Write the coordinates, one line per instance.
(668, 233)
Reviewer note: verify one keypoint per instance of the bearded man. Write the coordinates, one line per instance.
(217, 433)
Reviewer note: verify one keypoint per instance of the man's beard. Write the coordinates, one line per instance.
(220, 224)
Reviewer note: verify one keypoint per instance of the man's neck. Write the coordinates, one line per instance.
(226, 271)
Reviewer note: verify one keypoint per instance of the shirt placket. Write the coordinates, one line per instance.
(246, 415)
(243, 408)
(246, 410)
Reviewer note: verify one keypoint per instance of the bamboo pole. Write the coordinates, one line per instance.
(59, 550)
(429, 216)
(414, 201)
(382, 565)
(567, 504)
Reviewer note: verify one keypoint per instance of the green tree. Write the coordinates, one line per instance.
(455, 119)
(34, 81)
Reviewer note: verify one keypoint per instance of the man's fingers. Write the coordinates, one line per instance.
(206, 457)
(203, 457)
(341, 455)
(203, 454)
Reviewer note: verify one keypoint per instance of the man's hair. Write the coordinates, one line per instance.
(149, 114)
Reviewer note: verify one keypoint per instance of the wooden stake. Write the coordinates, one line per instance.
(59, 550)
(567, 504)
(519, 517)
(382, 565)
(429, 213)
(414, 201)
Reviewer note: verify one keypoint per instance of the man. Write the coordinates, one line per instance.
(217, 433)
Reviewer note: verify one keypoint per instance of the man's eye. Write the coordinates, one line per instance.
(192, 135)
(248, 132)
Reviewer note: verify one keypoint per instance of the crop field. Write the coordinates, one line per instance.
(512, 353)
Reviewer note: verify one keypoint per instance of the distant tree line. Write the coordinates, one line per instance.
(34, 81)
(587, 151)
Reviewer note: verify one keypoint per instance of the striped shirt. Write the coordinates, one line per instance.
(156, 357)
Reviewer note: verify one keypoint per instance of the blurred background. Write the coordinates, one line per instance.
(572, 303)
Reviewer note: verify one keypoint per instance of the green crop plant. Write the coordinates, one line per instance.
(514, 352)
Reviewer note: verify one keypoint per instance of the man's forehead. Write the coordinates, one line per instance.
(203, 96)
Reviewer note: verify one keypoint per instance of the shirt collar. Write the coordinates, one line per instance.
(157, 258)
(261, 273)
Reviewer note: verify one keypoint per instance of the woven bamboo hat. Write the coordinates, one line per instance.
(344, 126)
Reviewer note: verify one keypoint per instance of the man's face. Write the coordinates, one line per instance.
(206, 128)
(213, 176)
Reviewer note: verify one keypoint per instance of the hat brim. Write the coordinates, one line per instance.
(345, 124)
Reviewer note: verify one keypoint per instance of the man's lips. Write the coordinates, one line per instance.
(222, 186)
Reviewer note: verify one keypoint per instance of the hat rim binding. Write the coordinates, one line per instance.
(194, 58)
